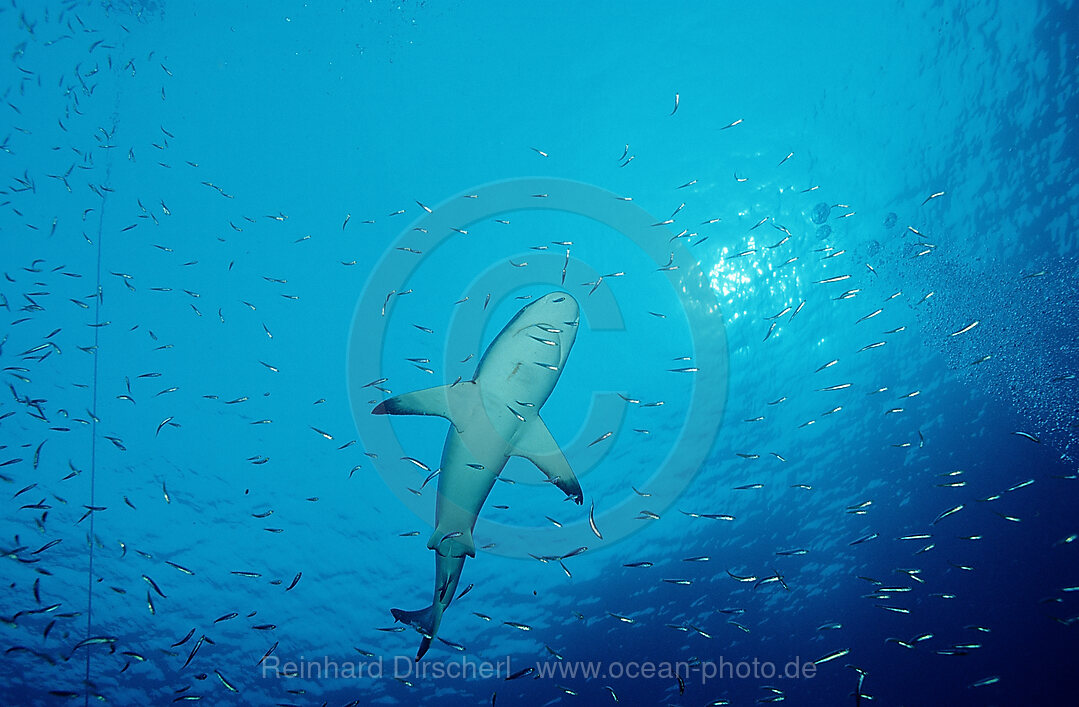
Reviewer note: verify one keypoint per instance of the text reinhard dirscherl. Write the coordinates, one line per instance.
(404, 668)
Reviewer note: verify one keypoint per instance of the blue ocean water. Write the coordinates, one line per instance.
(825, 256)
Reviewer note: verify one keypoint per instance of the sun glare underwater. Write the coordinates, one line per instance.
(507, 354)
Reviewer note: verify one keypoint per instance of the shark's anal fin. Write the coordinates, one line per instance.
(535, 443)
(448, 401)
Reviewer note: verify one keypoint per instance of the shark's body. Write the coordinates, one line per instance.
(494, 416)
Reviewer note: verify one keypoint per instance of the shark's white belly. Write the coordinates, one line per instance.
(472, 459)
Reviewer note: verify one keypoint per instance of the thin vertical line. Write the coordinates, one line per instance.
(93, 437)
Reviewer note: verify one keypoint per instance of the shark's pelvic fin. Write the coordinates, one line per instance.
(535, 443)
(443, 541)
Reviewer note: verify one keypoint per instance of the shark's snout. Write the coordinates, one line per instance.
(556, 308)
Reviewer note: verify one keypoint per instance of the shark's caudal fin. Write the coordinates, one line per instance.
(423, 621)
(535, 443)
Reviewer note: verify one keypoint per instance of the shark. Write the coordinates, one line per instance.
(493, 417)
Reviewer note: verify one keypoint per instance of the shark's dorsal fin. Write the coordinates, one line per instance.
(535, 443)
(441, 401)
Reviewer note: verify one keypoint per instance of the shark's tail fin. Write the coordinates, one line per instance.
(423, 621)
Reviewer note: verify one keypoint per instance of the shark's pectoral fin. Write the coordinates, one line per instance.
(535, 443)
(448, 401)
(430, 401)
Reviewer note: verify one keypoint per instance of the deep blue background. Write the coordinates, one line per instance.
(314, 123)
